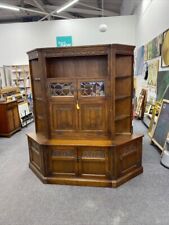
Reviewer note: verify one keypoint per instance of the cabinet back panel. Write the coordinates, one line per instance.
(123, 126)
(123, 107)
(123, 87)
(84, 66)
(124, 62)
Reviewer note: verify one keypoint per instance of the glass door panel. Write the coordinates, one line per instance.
(92, 102)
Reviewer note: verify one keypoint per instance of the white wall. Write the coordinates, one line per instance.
(153, 19)
(18, 38)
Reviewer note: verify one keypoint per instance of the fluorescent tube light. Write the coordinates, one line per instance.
(9, 7)
(66, 6)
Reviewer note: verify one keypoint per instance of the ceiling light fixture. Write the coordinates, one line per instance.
(67, 5)
(10, 7)
(102, 27)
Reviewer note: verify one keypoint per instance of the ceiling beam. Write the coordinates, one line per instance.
(39, 12)
(65, 15)
(99, 8)
(84, 11)
(99, 3)
(54, 13)
(39, 4)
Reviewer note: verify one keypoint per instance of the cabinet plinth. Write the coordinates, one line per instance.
(83, 116)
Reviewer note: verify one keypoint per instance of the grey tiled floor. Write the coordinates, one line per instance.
(24, 200)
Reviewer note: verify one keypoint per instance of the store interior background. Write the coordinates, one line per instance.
(149, 20)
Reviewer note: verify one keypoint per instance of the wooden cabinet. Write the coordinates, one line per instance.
(9, 118)
(83, 114)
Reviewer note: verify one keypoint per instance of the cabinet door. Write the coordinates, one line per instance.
(62, 106)
(92, 100)
(93, 162)
(62, 161)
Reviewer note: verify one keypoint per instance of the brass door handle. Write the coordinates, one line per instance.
(77, 105)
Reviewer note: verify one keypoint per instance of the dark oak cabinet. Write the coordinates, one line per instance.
(9, 118)
(83, 116)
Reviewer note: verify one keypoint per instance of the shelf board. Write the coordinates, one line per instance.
(120, 97)
(122, 117)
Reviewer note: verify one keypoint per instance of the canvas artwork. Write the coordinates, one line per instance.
(162, 128)
(153, 68)
(154, 47)
(146, 52)
(151, 94)
(165, 50)
(166, 93)
(162, 84)
(139, 61)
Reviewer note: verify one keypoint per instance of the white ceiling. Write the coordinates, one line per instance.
(34, 10)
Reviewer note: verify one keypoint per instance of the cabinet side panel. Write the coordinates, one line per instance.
(123, 92)
(38, 100)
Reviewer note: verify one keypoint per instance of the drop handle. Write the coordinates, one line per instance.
(77, 105)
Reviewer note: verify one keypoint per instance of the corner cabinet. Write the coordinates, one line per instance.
(83, 116)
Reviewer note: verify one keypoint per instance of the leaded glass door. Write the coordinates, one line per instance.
(77, 106)
(62, 105)
(92, 101)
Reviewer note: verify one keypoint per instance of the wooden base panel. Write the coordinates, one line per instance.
(86, 182)
(106, 164)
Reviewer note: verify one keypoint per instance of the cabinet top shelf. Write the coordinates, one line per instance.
(82, 50)
(119, 139)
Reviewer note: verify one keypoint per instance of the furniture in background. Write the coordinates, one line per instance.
(8, 94)
(11, 93)
(83, 116)
(19, 76)
(9, 118)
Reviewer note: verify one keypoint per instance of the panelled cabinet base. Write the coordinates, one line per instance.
(101, 163)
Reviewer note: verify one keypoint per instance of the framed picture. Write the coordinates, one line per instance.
(162, 126)
(153, 113)
(162, 85)
(153, 68)
(165, 50)
(154, 47)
